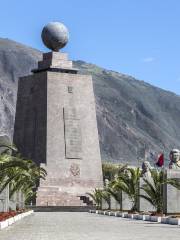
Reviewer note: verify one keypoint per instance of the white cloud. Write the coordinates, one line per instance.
(148, 59)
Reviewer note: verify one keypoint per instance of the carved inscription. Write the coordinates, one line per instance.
(73, 140)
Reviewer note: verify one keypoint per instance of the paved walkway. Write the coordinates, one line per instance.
(85, 226)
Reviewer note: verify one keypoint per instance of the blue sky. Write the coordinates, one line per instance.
(137, 37)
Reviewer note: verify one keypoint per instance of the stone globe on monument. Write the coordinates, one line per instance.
(56, 125)
(55, 36)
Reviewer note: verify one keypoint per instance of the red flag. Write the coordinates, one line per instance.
(160, 160)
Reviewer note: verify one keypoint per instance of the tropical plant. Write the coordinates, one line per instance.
(116, 193)
(19, 173)
(128, 182)
(154, 188)
(107, 197)
(97, 197)
(111, 170)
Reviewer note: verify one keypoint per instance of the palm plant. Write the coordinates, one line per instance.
(106, 196)
(116, 193)
(154, 189)
(7, 148)
(25, 180)
(19, 173)
(128, 182)
(111, 170)
(97, 197)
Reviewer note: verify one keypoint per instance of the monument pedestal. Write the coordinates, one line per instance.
(172, 194)
(145, 206)
(4, 200)
(56, 127)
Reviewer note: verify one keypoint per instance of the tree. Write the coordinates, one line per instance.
(110, 170)
(128, 182)
(154, 187)
(96, 195)
(116, 193)
(19, 173)
(107, 197)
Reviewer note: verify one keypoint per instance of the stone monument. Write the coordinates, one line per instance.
(4, 200)
(174, 159)
(145, 206)
(146, 170)
(56, 125)
(172, 194)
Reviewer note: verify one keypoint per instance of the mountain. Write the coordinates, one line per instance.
(132, 115)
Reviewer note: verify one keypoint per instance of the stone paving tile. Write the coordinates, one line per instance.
(81, 226)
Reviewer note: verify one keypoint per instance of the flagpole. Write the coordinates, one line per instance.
(163, 190)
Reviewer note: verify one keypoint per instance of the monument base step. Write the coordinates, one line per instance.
(61, 208)
(52, 196)
(59, 201)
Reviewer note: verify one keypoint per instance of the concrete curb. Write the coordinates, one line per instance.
(164, 220)
(14, 219)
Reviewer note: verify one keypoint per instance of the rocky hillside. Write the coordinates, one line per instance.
(132, 115)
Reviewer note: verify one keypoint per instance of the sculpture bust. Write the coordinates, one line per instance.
(106, 182)
(146, 167)
(174, 159)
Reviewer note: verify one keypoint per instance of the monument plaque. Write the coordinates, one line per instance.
(72, 133)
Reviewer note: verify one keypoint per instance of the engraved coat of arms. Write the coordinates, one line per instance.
(75, 170)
